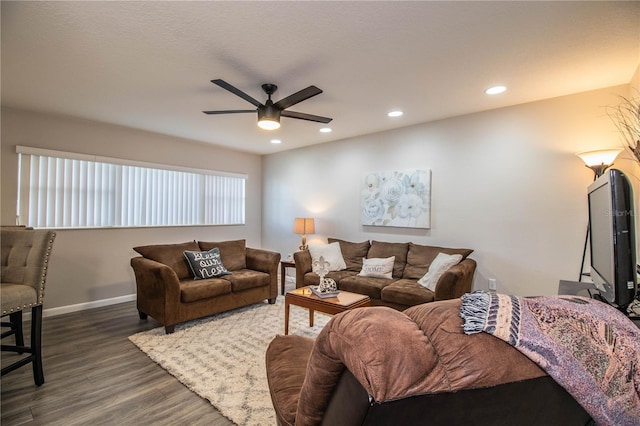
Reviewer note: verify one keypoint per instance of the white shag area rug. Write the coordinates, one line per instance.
(222, 357)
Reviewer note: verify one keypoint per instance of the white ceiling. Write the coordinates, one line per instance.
(148, 65)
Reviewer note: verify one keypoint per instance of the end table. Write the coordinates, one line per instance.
(284, 264)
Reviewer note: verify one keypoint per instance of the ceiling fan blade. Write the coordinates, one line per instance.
(235, 91)
(230, 111)
(300, 96)
(303, 116)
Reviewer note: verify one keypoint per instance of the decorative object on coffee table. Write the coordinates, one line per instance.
(327, 286)
(304, 226)
(326, 291)
(321, 267)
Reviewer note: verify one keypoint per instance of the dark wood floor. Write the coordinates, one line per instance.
(95, 376)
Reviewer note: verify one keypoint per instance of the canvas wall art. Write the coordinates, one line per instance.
(397, 198)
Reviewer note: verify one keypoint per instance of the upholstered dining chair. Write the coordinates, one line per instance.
(25, 261)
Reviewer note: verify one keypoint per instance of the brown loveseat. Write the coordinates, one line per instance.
(168, 292)
(379, 366)
(401, 291)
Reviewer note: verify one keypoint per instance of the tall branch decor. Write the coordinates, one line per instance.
(626, 117)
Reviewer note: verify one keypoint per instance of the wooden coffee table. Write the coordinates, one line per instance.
(304, 298)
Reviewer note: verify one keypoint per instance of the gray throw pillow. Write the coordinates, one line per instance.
(206, 264)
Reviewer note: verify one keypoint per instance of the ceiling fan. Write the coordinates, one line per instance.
(269, 113)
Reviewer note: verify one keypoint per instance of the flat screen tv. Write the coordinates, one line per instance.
(612, 238)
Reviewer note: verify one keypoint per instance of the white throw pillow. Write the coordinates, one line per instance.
(331, 253)
(377, 267)
(439, 266)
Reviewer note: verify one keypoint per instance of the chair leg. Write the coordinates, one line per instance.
(36, 344)
(16, 326)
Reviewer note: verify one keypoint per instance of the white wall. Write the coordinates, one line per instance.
(92, 265)
(506, 183)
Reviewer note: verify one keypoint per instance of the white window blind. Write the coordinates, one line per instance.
(65, 190)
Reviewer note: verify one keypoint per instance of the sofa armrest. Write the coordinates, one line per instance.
(262, 260)
(456, 281)
(154, 277)
(158, 289)
(303, 265)
(265, 261)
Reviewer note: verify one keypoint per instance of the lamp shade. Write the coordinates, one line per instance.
(304, 225)
(600, 157)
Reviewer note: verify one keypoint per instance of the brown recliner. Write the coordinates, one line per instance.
(378, 366)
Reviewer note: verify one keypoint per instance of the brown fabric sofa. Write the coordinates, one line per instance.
(379, 366)
(411, 263)
(168, 292)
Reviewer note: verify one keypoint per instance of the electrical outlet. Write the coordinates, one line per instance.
(493, 285)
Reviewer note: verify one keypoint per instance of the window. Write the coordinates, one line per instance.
(65, 190)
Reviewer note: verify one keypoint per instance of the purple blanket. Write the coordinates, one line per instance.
(589, 348)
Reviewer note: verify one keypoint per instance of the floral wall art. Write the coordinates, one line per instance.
(397, 198)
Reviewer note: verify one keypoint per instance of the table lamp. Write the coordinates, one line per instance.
(304, 226)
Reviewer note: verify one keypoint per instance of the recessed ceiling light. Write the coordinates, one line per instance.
(395, 113)
(325, 130)
(495, 90)
(276, 141)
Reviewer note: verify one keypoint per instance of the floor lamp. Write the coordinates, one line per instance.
(599, 162)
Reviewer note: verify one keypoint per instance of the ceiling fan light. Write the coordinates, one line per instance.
(268, 117)
(268, 123)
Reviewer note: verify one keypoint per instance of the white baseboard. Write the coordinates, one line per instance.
(84, 306)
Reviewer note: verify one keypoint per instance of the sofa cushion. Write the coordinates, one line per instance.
(311, 278)
(419, 258)
(170, 255)
(399, 250)
(192, 290)
(205, 264)
(352, 253)
(407, 292)
(368, 286)
(244, 279)
(379, 268)
(331, 253)
(232, 253)
(439, 266)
